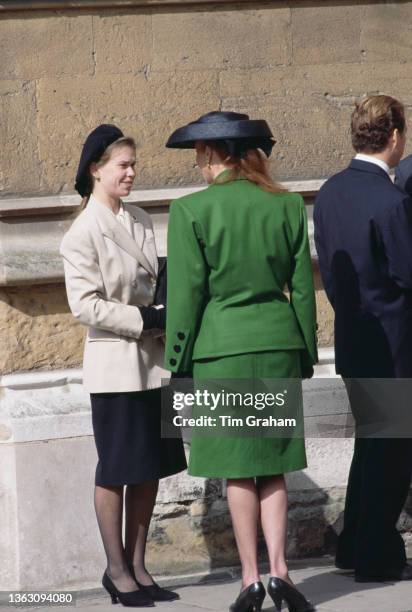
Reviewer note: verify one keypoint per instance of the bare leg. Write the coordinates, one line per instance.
(274, 511)
(140, 501)
(244, 508)
(108, 503)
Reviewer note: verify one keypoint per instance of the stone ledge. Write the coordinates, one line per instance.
(48, 205)
(33, 5)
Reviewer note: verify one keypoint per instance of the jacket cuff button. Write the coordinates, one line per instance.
(172, 362)
(181, 335)
(177, 348)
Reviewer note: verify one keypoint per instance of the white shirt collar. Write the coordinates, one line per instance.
(373, 160)
(121, 214)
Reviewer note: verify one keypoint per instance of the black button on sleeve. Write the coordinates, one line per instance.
(172, 362)
(177, 348)
(181, 335)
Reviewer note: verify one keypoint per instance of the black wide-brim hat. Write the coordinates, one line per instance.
(236, 130)
(95, 145)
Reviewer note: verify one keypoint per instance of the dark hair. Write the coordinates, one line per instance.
(252, 164)
(374, 120)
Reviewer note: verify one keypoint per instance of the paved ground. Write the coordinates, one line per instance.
(329, 589)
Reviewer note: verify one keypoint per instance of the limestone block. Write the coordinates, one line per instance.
(44, 406)
(29, 250)
(19, 159)
(392, 77)
(122, 42)
(9, 532)
(312, 127)
(322, 470)
(38, 330)
(59, 542)
(183, 488)
(310, 137)
(31, 46)
(225, 38)
(146, 107)
(386, 32)
(325, 34)
(179, 547)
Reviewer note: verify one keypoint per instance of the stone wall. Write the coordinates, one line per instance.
(300, 64)
(37, 329)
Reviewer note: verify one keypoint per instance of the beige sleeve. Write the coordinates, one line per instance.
(85, 290)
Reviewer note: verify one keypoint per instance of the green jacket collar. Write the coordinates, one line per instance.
(221, 178)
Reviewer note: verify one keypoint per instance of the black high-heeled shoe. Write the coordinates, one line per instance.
(250, 599)
(280, 590)
(154, 591)
(157, 593)
(133, 599)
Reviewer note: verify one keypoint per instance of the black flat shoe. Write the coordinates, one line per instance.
(133, 599)
(250, 599)
(279, 590)
(157, 593)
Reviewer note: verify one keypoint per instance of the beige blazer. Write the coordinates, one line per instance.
(108, 272)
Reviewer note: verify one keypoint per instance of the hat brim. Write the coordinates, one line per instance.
(251, 129)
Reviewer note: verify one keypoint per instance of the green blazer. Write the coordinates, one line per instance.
(233, 249)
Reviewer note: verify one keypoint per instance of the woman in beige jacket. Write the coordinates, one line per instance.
(110, 265)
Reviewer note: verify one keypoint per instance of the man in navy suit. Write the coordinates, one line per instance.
(363, 235)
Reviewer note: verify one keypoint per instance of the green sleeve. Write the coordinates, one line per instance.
(186, 287)
(302, 292)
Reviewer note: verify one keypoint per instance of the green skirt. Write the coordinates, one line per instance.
(246, 457)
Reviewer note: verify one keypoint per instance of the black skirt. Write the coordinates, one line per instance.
(127, 432)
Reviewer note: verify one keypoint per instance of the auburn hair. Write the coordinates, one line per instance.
(253, 165)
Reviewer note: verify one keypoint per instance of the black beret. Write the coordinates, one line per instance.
(95, 145)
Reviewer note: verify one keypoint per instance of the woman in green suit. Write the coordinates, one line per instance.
(232, 250)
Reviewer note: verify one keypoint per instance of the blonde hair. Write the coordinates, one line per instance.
(124, 141)
(252, 165)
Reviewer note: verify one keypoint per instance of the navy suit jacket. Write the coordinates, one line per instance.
(403, 175)
(363, 235)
